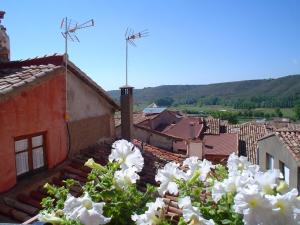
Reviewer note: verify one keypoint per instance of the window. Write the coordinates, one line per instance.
(285, 172)
(269, 162)
(29, 153)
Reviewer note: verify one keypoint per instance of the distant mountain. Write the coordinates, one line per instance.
(261, 91)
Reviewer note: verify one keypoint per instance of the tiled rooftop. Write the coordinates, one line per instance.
(183, 128)
(212, 125)
(249, 133)
(16, 74)
(222, 144)
(13, 78)
(291, 139)
(138, 117)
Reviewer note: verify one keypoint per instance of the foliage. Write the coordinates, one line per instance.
(232, 117)
(268, 93)
(207, 194)
(297, 111)
(278, 112)
(165, 101)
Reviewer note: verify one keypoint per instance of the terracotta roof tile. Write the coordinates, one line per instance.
(14, 74)
(138, 118)
(291, 139)
(212, 125)
(11, 79)
(222, 144)
(183, 128)
(249, 133)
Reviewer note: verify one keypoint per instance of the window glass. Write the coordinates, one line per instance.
(286, 174)
(37, 141)
(270, 162)
(22, 163)
(38, 158)
(21, 145)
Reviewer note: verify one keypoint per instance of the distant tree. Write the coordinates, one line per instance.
(267, 115)
(199, 103)
(190, 101)
(165, 101)
(278, 112)
(297, 111)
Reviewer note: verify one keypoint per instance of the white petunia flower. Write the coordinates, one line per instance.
(252, 204)
(267, 181)
(167, 178)
(286, 208)
(191, 214)
(85, 210)
(217, 191)
(152, 215)
(126, 177)
(194, 164)
(127, 155)
(232, 185)
(237, 163)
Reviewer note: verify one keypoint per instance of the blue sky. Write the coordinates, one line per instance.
(190, 42)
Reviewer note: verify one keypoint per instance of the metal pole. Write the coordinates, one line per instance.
(126, 61)
(66, 44)
(66, 66)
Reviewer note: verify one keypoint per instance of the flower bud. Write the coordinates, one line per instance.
(93, 165)
(47, 186)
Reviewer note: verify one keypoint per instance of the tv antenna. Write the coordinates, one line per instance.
(69, 32)
(130, 37)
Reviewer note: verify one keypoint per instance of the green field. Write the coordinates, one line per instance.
(238, 113)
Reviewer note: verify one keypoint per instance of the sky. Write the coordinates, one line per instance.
(190, 42)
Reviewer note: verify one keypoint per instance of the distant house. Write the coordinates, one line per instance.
(153, 109)
(249, 133)
(281, 150)
(189, 136)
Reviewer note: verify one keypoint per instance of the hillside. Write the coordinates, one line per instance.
(268, 91)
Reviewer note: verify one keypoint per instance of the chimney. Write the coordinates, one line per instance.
(4, 42)
(127, 112)
(192, 130)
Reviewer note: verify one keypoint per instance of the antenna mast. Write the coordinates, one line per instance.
(69, 33)
(130, 38)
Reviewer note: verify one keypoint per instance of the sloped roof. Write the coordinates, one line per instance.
(12, 78)
(183, 127)
(291, 139)
(249, 133)
(222, 144)
(212, 125)
(138, 117)
(153, 110)
(17, 74)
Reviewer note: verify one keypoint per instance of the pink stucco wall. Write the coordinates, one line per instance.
(39, 108)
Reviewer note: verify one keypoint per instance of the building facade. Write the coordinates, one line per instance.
(46, 116)
(281, 150)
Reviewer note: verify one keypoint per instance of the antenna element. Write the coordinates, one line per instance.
(130, 37)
